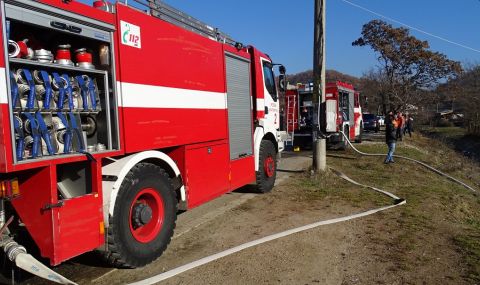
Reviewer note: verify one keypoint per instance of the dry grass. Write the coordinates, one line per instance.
(439, 214)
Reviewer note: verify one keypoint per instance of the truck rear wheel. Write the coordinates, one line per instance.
(143, 217)
(267, 169)
(359, 138)
(344, 142)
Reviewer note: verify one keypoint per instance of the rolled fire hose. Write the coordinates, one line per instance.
(83, 90)
(13, 48)
(48, 89)
(31, 96)
(413, 160)
(20, 142)
(35, 134)
(14, 89)
(61, 84)
(69, 91)
(67, 139)
(171, 273)
(93, 93)
(77, 131)
(45, 133)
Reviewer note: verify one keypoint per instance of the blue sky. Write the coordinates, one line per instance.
(284, 28)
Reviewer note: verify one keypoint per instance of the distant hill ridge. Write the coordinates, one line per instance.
(331, 76)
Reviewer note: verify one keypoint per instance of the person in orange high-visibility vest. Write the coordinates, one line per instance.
(400, 125)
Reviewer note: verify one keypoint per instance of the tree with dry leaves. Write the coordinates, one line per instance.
(407, 65)
(464, 94)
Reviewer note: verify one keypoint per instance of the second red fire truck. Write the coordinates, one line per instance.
(343, 113)
(115, 117)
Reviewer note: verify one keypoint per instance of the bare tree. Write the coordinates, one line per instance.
(466, 92)
(406, 63)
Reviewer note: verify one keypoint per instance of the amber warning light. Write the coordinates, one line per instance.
(9, 189)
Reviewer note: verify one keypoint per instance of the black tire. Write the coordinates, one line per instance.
(344, 144)
(142, 186)
(267, 170)
(360, 136)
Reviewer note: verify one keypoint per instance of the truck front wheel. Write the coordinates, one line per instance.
(267, 169)
(143, 218)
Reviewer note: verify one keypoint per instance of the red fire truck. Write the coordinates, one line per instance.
(114, 117)
(343, 113)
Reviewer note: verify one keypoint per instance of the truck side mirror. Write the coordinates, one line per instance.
(282, 84)
(282, 69)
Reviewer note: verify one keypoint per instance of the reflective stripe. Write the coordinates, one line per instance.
(3, 87)
(260, 104)
(149, 96)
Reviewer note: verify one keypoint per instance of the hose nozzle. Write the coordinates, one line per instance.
(18, 255)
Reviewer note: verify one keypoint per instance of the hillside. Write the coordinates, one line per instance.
(331, 75)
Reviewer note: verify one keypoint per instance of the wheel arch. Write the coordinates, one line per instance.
(120, 168)
(260, 135)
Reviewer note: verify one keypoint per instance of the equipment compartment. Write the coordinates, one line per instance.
(60, 93)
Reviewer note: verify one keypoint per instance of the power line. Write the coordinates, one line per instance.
(411, 27)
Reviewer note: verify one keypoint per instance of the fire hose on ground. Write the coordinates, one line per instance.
(449, 177)
(208, 259)
(396, 202)
(18, 255)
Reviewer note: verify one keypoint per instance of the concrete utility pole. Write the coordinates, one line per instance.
(319, 143)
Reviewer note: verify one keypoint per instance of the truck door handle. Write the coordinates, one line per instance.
(74, 29)
(51, 206)
(58, 25)
(266, 110)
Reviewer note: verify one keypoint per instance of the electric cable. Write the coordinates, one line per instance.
(411, 27)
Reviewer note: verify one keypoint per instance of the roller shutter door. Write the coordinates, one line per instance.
(239, 107)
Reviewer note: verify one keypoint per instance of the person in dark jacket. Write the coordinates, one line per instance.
(408, 126)
(390, 137)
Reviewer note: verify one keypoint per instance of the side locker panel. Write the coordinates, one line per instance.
(331, 115)
(79, 221)
(207, 172)
(31, 203)
(351, 100)
(239, 107)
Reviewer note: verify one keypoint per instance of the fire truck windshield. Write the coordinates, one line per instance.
(269, 79)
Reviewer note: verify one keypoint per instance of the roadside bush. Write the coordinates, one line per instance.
(443, 123)
(473, 129)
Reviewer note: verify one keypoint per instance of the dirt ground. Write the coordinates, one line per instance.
(433, 239)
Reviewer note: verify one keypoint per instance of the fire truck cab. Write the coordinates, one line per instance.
(113, 117)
